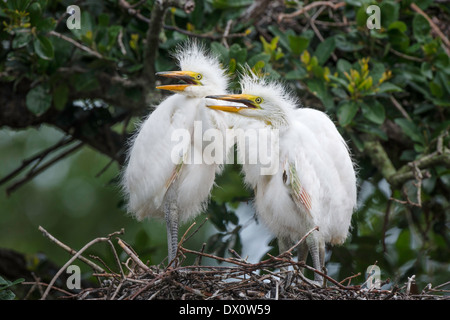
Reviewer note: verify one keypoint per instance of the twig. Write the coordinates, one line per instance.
(314, 4)
(42, 168)
(205, 35)
(38, 283)
(132, 255)
(75, 257)
(399, 107)
(76, 44)
(116, 257)
(302, 239)
(132, 11)
(404, 56)
(350, 278)
(25, 163)
(71, 251)
(433, 26)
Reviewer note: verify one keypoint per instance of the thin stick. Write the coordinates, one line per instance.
(73, 259)
(350, 278)
(38, 283)
(117, 259)
(76, 44)
(434, 26)
(399, 107)
(334, 6)
(303, 238)
(42, 168)
(71, 251)
(133, 256)
(25, 163)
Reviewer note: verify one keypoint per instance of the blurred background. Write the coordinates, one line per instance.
(70, 99)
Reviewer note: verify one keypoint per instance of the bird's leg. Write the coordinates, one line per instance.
(171, 215)
(302, 253)
(317, 249)
(284, 244)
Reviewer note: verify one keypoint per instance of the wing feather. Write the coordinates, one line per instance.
(298, 193)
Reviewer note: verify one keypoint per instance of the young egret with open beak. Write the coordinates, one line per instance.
(315, 184)
(162, 178)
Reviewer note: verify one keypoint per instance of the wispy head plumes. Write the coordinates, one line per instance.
(275, 90)
(192, 55)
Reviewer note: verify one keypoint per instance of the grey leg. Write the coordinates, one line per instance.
(302, 253)
(171, 215)
(284, 244)
(317, 250)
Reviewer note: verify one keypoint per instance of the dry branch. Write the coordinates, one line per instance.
(234, 278)
(310, 6)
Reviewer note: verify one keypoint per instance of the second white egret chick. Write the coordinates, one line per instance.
(315, 184)
(161, 178)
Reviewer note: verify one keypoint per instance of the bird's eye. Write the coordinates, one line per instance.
(198, 77)
(258, 100)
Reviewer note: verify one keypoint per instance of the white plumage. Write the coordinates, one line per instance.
(315, 184)
(155, 185)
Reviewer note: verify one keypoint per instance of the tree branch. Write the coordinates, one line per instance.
(435, 28)
(310, 6)
(411, 170)
(76, 44)
(152, 40)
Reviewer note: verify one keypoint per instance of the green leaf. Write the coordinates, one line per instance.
(298, 44)
(373, 111)
(421, 28)
(389, 11)
(38, 99)
(87, 23)
(398, 39)
(19, 5)
(426, 70)
(343, 66)
(346, 112)
(324, 50)
(347, 45)
(43, 48)
(21, 39)
(399, 25)
(377, 71)
(296, 74)
(259, 57)
(60, 96)
(220, 51)
(410, 129)
(318, 88)
(35, 11)
(361, 16)
(388, 87)
(238, 53)
(372, 129)
(436, 89)
(341, 81)
(282, 36)
(227, 4)
(85, 81)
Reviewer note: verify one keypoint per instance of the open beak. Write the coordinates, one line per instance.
(189, 77)
(245, 99)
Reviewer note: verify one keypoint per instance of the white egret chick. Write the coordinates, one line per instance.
(161, 178)
(315, 184)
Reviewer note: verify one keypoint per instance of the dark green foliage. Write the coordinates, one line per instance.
(388, 90)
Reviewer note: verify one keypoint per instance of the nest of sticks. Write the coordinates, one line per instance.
(276, 278)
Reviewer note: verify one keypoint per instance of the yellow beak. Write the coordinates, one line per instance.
(189, 77)
(245, 99)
